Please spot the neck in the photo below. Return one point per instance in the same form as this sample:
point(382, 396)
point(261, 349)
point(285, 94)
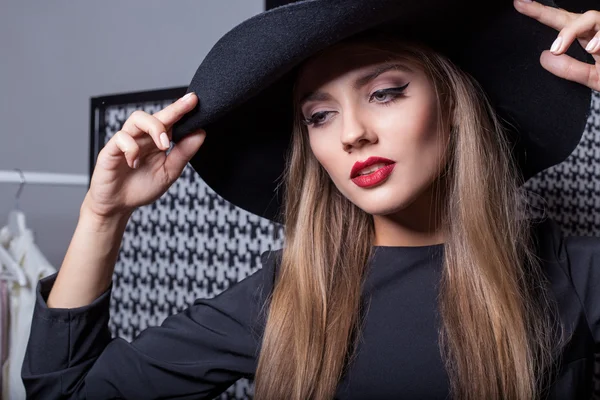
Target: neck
point(419, 224)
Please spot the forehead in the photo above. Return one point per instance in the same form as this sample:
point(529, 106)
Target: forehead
point(346, 59)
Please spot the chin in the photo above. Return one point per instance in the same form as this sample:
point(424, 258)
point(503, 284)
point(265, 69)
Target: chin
point(385, 204)
point(387, 200)
point(382, 209)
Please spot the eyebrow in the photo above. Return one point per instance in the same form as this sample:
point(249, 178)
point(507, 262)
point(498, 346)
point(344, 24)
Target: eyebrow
point(359, 83)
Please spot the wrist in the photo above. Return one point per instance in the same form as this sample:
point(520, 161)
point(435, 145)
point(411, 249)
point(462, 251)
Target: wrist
point(93, 221)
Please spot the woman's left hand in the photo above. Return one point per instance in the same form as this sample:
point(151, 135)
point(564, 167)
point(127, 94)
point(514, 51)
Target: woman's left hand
point(583, 27)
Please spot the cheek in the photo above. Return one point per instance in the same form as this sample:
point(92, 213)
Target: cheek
point(419, 124)
point(321, 148)
point(335, 162)
point(427, 146)
point(420, 145)
point(317, 146)
point(426, 138)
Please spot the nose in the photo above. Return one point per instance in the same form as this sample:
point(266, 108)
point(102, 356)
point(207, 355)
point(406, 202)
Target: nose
point(356, 131)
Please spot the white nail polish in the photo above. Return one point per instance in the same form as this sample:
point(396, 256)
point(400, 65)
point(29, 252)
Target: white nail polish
point(556, 44)
point(592, 44)
point(164, 140)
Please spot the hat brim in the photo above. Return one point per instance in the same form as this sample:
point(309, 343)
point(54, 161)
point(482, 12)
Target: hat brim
point(244, 84)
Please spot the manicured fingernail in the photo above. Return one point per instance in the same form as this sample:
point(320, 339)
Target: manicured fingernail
point(592, 44)
point(556, 45)
point(526, 1)
point(164, 140)
point(187, 96)
point(136, 163)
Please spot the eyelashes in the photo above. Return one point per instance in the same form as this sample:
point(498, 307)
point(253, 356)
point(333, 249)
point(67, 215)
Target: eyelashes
point(318, 119)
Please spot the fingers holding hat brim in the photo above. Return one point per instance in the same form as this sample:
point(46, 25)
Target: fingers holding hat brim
point(567, 67)
point(553, 17)
point(183, 152)
point(583, 28)
point(571, 26)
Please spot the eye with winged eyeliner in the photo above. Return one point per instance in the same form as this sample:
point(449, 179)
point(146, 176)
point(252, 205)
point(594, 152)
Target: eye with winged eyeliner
point(316, 120)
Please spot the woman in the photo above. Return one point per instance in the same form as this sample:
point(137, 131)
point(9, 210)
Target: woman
point(410, 268)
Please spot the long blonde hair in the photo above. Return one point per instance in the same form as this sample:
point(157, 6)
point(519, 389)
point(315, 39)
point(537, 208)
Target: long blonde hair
point(498, 336)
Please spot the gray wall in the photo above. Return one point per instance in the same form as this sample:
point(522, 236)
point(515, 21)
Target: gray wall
point(57, 54)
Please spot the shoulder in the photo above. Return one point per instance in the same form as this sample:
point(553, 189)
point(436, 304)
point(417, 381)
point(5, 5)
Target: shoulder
point(252, 290)
point(573, 253)
point(572, 265)
point(576, 258)
point(271, 257)
point(270, 261)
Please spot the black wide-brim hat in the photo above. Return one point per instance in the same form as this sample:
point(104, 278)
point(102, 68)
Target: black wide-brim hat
point(244, 84)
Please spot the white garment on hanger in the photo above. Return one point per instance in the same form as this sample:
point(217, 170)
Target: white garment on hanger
point(22, 301)
point(4, 325)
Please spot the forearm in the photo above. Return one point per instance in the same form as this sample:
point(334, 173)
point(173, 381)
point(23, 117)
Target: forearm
point(89, 263)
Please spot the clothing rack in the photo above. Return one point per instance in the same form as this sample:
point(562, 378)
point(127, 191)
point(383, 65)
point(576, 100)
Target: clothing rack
point(45, 178)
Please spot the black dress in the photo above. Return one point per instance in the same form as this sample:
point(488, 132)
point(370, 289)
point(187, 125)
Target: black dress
point(201, 351)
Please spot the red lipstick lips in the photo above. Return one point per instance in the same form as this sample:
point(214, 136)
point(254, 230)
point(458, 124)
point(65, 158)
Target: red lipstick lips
point(374, 177)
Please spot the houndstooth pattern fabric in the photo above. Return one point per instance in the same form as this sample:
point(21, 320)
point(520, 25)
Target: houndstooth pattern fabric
point(192, 244)
point(570, 191)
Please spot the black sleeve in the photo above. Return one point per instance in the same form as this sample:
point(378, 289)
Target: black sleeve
point(195, 354)
point(583, 253)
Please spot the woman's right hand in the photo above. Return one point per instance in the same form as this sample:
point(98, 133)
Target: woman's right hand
point(133, 169)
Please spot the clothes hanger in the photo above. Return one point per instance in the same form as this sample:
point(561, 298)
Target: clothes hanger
point(16, 223)
point(16, 218)
point(16, 229)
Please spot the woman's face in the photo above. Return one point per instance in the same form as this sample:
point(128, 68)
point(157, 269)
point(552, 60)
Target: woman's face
point(360, 104)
